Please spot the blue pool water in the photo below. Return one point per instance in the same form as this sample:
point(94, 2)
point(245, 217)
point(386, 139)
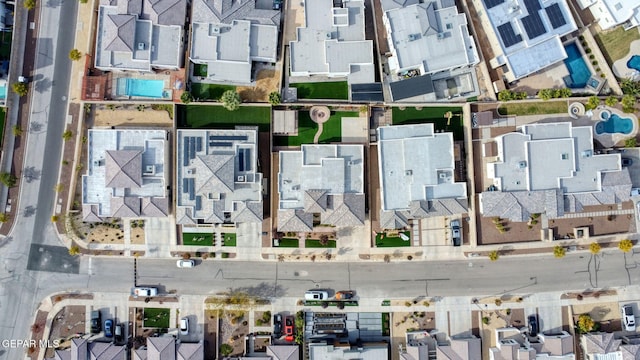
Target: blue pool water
point(614, 124)
point(140, 87)
point(579, 73)
point(3, 92)
point(634, 62)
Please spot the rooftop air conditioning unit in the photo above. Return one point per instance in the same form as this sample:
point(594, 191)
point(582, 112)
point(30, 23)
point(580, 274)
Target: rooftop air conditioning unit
point(140, 46)
point(440, 35)
point(240, 178)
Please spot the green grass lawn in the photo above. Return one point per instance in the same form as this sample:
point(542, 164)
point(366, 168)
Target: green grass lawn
point(209, 91)
point(200, 69)
point(203, 116)
point(331, 129)
point(229, 239)
point(434, 115)
point(313, 243)
point(615, 43)
point(197, 239)
point(534, 108)
point(322, 90)
point(385, 241)
point(156, 318)
point(288, 243)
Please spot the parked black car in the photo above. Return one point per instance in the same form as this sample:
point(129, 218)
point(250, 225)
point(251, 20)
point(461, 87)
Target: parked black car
point(96, 321)
point(277, 325)
point(533, 325)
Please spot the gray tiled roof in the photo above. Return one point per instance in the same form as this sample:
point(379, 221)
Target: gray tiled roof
point(184, 216)
point(166, 12)
point(519, 205)
point(190, 351)
point(444, 207)
point(155, 207)
point(294, 220)
point(217, 212)
point(315, 201)
point(630, 352)
point(348, 210)
point(226, 11)
point(120, 31)
point(247, 212)
point(600, 343)
point(215, 173)
point(106, 351)
point(125, 206)
point(90, 213)
point(283, 352)
point(123, 168)
point(161, 348)
point(393, 219)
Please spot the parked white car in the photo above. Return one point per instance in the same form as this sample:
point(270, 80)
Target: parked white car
point(182, 263)
point(628, 318)
point(184, 326)
point(316, 295)
point(144, 291)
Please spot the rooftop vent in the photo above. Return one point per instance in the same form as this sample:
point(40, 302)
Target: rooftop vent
point(140, 46)
point(522, 164)
point(240, 178)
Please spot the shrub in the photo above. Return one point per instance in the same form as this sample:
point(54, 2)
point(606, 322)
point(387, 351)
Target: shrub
point(67, 135)
point(226, 349)
point(592, 103)
point(628, 103)
point(594, 248)
point(611, 101)
point(587, 50)
point(407, 303)
point(631, 142)
point(8, 179)
point(498, 302)
point(74, 250)
point(230, 100)
point(485, 320)
point(224, 255)
point(4, 217)
point(275, 98)
point(625, 245)
point(594, 62)
point(16, 130)
point(75, 55)
point(591, 57)
point(186, 97)
point(559, 251)
point(493, 255)
point(585, 324)
point(20, 88)
point(29, 4)
point(54, 218)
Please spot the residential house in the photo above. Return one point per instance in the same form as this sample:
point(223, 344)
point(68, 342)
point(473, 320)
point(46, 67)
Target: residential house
point(551, 168)
point(511, 343)
point(277, 352)
point(525, 35)
point(218, 178)
point(228, 36)
point(423, 345)
point(81, 349)
point(324, 350)
point(167, 348)
point(601, 346)
point(611, 13)
point(332, 42)
point(416, 169)
point(429, 40)
point(140, 35)
point(321, 184)
point(126, 174)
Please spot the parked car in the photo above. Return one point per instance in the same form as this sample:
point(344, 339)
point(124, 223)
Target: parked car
point(108, 328)
point(144, 291)
point(118, 332)
point(626, 161)
point(628, 318)
point(277, 325)
point(534, 328)
point(456, 236)
point(182, 263)
point(316, 295)
point(96, 321)
point(289, 323)
point(345, 295)
point(184, 326)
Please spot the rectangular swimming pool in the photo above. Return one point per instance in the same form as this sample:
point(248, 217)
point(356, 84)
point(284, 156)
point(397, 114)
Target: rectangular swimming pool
point(140, 87)
point(3, 92)
point(579, 72)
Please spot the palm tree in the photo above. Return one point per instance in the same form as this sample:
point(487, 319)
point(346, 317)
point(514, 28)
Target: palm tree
point(595, 248)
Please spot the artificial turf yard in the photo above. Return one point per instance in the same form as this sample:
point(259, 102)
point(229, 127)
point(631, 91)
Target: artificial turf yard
point(534, 108)
point(382, 240)
point(197, 239)
point(322, 90)
point(156, 318)
point(615, 43)
point(313, 243)
point(229, 239)
point(217, 117)
point(331, 129)
point(288, 243)
point(434, 115)
point(209, 91)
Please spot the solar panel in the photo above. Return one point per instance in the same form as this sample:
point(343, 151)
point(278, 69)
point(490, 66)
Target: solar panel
point(555, 16)
point(198, 203)
point(533, 25)
point(192, 190)
point(247, 159)
point(509, 37)
point(198, 144)
point(185, 185)
point(532, 6)
point(185, 152)
point(227, 137)
point(221, 144)
point(492, 3)
point(192, 148)
point(241, 160)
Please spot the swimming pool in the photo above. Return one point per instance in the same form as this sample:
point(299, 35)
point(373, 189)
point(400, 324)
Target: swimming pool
point(634, 62)
point(140, 87)
point(579, 73)
point(613, 124)
point(3, 92)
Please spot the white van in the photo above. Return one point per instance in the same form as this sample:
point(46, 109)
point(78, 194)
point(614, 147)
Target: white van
point(316, 295)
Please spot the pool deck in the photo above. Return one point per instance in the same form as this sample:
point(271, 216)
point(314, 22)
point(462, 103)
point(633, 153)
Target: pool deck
point(620, 66)
point(610, 140)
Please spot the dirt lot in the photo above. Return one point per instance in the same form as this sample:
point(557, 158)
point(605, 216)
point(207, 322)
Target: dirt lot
point(106, 235)
point(128, 115)
point(233, 328)
point(69, 321)
point(267, 81)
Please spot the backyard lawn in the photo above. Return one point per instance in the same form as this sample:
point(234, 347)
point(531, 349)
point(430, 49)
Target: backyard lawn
point(209, 91)
point(288, 243)
point(434, 115)
point(229, 239)
point(200, 70)
point(331, 130)
point(313, 243)
point(197, 239)
point(322, 90)
point(156, 318)
point(382, 240)
point(615, 43)
point(534, 108)
point(204, 116)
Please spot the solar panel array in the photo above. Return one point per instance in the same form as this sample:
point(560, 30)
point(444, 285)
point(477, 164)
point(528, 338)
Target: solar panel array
point(492, 3)
point(532, 23)
point(555, 16)
point(225, 140)
point(189, 187)
point(509, 37)
point(190, 145)
point(244, 159)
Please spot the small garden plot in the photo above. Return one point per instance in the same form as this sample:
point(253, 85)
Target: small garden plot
point(313, 243)
point(229, 239)
point(156, 318)
point(197, 239)
point(286, 243)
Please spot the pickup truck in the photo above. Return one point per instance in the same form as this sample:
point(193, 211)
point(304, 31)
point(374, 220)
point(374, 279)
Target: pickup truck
point(144, 291)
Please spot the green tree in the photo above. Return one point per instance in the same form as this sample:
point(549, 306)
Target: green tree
point(625, 245)
point(186, 97)
point(275, 98)
point(494, 255)
point(585, 324)
point(230, 99)
point(628, 103)
point(563, 93)
point(226, 349)
point(29, 4)
point(611, 101)
point(545, 94)
point(595, 248)
point(75, 55)
point(630, 87)
point(74, 250)
point(16, 130)
point(20, 88)
point(592, 103)
point(505, 95)
point(67, 135)
point(631, 142)
point(4, 217)
point(559, 251)
point(8, 179)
